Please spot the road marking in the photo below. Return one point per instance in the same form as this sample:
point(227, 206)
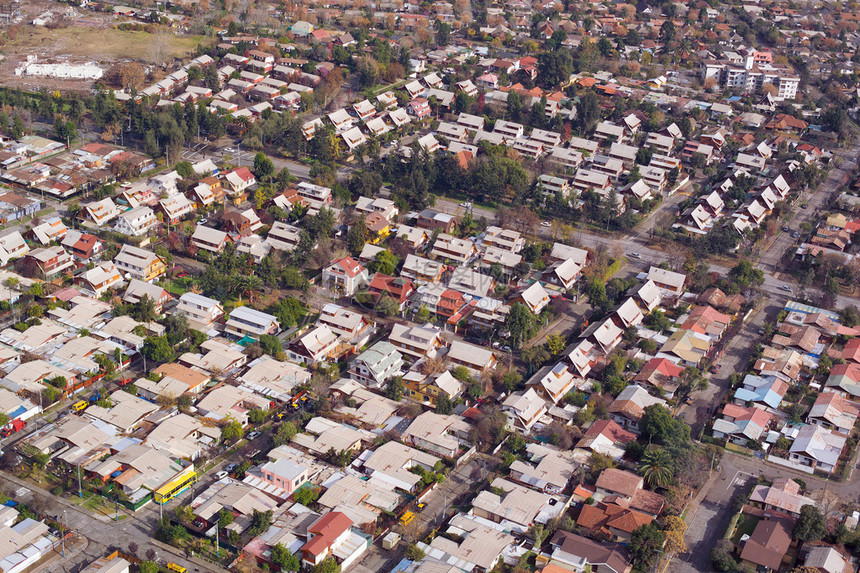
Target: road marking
point(735, 477)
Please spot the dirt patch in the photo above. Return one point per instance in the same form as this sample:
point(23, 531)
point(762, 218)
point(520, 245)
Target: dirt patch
point(91, 38)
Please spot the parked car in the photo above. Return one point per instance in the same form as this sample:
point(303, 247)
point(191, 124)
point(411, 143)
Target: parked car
point(221, 475)
point(253, 435)
point(786, 288)
point(230, 467)
point(635, 255)
point(545, 224)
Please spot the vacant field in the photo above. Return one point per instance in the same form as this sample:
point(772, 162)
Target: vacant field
point(99, 44)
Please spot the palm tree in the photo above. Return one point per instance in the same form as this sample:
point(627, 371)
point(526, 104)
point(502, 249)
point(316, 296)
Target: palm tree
point(656, 468)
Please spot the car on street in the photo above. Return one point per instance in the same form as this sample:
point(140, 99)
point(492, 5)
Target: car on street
point(785, 229)
point(545, 224)
point(221, 475)
point(505, 348)
point(229, 150)
point(467, 205)
point(795, 235)
point(230, 467)
point(635, 255)
point(253, 435)
point(786, 288)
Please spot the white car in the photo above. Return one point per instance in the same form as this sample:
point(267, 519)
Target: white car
point(229, 150)
point(786, 288)
point(253, 435)
point(545, 224)
point(635, 255)
point(221, 475)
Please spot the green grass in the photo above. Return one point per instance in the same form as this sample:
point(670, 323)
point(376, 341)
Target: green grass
point(745, 526)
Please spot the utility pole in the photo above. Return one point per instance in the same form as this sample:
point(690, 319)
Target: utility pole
point(80, 490)
point(63, 532)
point(217, 545)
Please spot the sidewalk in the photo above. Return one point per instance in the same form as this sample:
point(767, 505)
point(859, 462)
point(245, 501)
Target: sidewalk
point(44, 493)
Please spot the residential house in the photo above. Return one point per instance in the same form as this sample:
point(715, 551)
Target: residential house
point(524, 409)
point(476, 359)
point(137, 289)
point(428, 388)
point(580, 554)
point(767, 391)
point(317, 345)
point(607, 438)
point(768, 544)
point(202, 312)
point(210, 239)
point(48, 262)
point(345, 276)
point(535, 297)
point(629, 407)
point(137, 222)
point(741, 424)
point(555, 384)
point(782, 496)
point(248, 322)
point(817, 448)
point(100, 279)
point(833, 411)
point(376, 365)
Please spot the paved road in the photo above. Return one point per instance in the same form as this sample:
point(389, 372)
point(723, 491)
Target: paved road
point(103, 532)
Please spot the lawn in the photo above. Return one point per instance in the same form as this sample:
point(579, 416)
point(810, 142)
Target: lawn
point(101, 43)
point(745, 526)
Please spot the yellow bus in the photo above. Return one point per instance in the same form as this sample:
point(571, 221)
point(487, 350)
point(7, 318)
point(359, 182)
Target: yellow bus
point(175, 567)
point(174, 487)
point(79, 406)
point(407, 518)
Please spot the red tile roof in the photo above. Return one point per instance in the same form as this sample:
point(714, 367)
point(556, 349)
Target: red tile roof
point(326, 530)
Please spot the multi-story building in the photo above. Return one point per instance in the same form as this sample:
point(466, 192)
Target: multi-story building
point(139, 263)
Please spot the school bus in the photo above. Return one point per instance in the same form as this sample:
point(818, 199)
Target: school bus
point(175, 567)
point(79, 406)
point(174, 487)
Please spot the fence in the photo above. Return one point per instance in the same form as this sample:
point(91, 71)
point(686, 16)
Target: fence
point(789, 464)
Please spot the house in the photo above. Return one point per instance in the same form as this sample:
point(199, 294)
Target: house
point(353, 138)
point(467, 541)
point(844, 379)
point(661, 373)
point(332, 535)
point(138, 221)
point(817, 448)
point(245, 321)
point(524, 409)
point(317, 345)
point(351, 326)
point(100, 279)
point(49, 231)
point(397, 288)
point(432, 220)
point(515, 506)
point(210, 239)
point(175, 207)
point(421, 269)
point(828, 559)
point(448, 247)
point(741, 424)
point(476, 359)
point(765, 390)
point(555, 384)
point(241, 223)
point(629, 407)
point(504, 239)
point(391, 463)
point(768, 544)
point(416, 341)
point(101, 212)
point(376, 365)
point(239, 180)
point(202, 312)
point(534, 297)
point(833, 411)
point(628, 314)
point(607, 438)
point(428, 388)
point(48, 262)
point(12, 246)
point(563, 274)
point(782, 496)
point(548, 469)
point(283, 237)
point(470, 282)
point(707, 320)
point(137, 289)
point(580, 554)
point(609, 132)
point(670, 283)
point(380, 205)
point(345, 276)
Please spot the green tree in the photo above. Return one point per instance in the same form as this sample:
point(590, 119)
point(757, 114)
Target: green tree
point(158, 349)
point(149, 567)
point(306, 495)
point(667, 31)
point(356, 238)
point(231, 432)
point(644, 546)
point(384, 262)
point(256, 416)
point(746, 275)
point(657, 467)
point(520, 323)
point(587, 111)
point(443, 404)
point(831, 288)
point(328, 565)
point(225, 517)
point(287, 561)
point(285, 433)
point(811, 525)
point(443, 33)
point(264, 168)
point(184, 169)
point(555, 343)
point(659, 425)
point(395, 388)
point(414, 552)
